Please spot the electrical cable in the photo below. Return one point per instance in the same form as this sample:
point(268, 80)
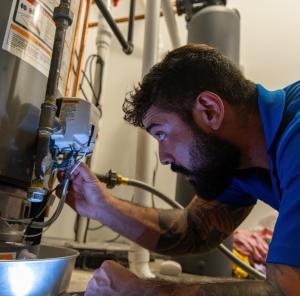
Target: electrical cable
point(96, 228)
point(154, 178)
point(88, 67)
point(64, 190)
point(20, 233)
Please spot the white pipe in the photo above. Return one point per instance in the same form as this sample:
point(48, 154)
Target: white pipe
point(139, 257)
point(81, 227)
point(103, 42)
point(104, 33)
point(171, 22)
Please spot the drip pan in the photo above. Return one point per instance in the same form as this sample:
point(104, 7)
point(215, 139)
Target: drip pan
point(48, 275)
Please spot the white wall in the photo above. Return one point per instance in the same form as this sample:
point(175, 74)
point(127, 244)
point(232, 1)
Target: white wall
point(270, 44)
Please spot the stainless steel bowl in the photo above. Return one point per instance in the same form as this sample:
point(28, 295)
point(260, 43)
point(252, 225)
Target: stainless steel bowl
point(49, 275)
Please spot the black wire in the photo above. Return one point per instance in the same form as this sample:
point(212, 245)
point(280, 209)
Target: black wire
point(154, 179)
point(84, 76)
point(96, 228)
point(101, 62)
point(113, 239)
point(89, 67)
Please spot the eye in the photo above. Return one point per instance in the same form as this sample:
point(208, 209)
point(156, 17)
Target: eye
point(161, 136)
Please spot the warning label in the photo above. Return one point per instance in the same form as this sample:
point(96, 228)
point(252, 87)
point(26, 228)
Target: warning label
point(30, 35)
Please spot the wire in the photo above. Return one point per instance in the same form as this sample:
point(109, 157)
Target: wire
point(96, 228)
point(20, 233)
point(89, 79)
point(64, 185)
point(113, 239)
point(154, 178)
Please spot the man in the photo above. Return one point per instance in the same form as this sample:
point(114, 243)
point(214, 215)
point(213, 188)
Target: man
point(236, 142)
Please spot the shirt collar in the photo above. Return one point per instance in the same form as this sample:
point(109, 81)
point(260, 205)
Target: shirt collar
point(271, 108)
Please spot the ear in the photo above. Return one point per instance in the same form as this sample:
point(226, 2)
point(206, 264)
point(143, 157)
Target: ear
point(208, 110)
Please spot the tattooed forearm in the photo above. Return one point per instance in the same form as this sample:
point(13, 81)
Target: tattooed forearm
point(232, 288)
point(198, 228)
point(282, 281)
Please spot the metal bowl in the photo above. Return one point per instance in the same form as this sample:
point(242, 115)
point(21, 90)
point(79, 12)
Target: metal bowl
point(49, 275)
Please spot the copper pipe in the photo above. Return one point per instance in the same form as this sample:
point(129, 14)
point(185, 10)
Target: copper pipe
point(76, 32)
point(121, 20)
point(82, 46)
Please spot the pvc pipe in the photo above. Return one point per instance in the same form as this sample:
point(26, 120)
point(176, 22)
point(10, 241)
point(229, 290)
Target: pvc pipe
point(139, 257)
point(103, 42)
point(171, 22)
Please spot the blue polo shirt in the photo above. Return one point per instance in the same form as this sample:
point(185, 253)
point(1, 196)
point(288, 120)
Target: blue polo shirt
point(279, 186)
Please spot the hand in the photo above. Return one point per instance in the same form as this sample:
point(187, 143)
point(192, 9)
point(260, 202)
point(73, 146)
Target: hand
point(86, 194)
point(112, 279)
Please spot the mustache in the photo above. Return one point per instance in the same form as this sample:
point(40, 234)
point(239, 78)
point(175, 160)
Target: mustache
point(180, 169)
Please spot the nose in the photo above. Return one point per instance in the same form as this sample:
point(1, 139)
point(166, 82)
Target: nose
point(164, 156)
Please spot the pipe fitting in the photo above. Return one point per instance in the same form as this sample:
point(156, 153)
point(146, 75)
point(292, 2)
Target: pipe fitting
point(63, 13)
point(129, 49)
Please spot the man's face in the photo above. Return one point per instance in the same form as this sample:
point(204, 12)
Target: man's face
point(207, 161)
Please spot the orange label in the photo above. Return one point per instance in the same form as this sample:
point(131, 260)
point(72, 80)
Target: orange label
point(7, 256)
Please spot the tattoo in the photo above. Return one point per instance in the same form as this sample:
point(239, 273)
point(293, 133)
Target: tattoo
point(283, 280)
point(198, 228)
point(220, 287)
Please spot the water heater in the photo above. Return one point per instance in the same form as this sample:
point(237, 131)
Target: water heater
point(27, 33)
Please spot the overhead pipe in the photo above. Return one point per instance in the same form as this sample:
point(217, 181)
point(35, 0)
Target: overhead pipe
point(126, 45)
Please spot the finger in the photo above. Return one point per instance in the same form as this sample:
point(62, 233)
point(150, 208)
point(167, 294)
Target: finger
point(60, 175)
point(85, 173)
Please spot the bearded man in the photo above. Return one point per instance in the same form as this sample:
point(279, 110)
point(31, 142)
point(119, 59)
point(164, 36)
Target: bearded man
point(236, 142)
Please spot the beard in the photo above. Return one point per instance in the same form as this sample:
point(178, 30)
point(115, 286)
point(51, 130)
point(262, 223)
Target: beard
point(213, 163)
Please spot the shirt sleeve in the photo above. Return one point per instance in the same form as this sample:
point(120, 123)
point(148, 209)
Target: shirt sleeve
point(285, 244)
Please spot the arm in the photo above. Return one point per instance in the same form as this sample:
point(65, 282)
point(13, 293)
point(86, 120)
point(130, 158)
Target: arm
point(199, 227)
point(114, 279)
point(202, 226)
point(167, 230)
point(90, 198)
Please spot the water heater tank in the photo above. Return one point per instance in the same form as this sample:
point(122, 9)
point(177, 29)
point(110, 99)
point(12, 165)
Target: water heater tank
point(26, 40)
point(218, 26)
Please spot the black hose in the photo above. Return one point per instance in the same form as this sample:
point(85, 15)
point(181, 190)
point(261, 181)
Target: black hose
point(151, 189)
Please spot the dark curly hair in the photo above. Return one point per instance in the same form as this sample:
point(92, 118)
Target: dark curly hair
point(173, 84)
